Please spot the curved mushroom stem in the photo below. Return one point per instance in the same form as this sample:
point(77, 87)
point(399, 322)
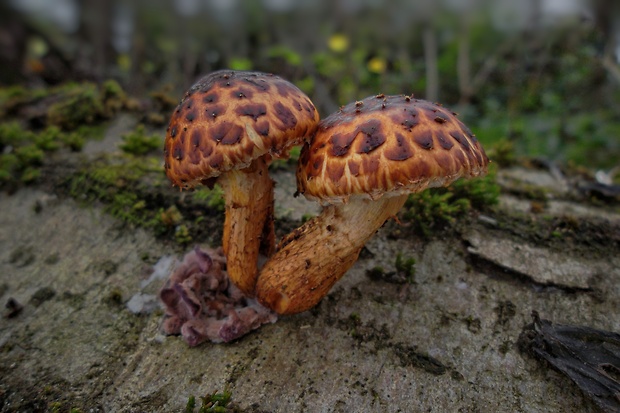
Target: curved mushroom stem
point(248, 226)
point(316, 255)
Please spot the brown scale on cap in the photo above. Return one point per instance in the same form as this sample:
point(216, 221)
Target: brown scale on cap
point(387, 145)
point(228, 127)
point(229, 118)
point(362, 164)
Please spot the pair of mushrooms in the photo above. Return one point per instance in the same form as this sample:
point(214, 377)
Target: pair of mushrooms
point(360, 163)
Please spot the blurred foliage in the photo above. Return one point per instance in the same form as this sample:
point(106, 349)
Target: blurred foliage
point(545, 89)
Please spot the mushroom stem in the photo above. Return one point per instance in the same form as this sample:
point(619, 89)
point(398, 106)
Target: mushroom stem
point(313, 257)
point(248, 226)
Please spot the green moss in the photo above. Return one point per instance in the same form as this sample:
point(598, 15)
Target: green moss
point(431, 209)
point(20, 156)
point(213, 198)
point(171, 217)
point(117, 184)
point(181, 235)
point(81, 104)
point(163, 99)
point(74, 140)
point(405, 266)
point(437, 207)
point(50, 139)
point(137, 142)
point(212, 403)
point(191, 404)
point(287, 162)
point(216, 402)
point(12, 134)
point(113, 97)
point(67, 106)
point(30, 175)
point(23, 151)
point(9, 165)
point(503, 153)
point(376, 273)
point(13, 96)
point(30, 155)
point(136, 191)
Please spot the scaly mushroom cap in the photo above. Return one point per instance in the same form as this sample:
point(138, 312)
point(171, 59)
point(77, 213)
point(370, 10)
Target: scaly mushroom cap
point(228, 119)
point(387, 146)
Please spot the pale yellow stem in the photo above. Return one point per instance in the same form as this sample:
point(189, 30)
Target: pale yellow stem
point(248, 226)
point(313, 257)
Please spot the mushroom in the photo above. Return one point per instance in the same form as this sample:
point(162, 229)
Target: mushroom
point(361, 166)
point(229, 125)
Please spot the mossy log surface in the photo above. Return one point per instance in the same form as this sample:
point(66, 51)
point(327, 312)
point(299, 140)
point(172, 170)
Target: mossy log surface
point(80, 329)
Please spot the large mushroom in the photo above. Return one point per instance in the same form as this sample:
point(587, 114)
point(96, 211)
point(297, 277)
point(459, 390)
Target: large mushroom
point(361, 165)
point(229, 125)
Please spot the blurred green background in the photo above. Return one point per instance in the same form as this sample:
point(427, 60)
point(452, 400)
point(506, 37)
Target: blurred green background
point(540, 77)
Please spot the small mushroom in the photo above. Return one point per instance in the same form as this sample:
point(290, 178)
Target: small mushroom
point(361, 165)
point(229, 125)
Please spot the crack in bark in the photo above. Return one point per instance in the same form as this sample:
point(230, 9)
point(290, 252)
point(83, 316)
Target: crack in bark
point(506, 274)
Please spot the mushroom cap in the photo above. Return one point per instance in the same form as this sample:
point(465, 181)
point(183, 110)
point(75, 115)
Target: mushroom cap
point(229, 118)
point(387, 146)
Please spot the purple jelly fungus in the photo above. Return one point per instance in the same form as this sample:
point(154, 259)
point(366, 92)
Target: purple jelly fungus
point(201, 304)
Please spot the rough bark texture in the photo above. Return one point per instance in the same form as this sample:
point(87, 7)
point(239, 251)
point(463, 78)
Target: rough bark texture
point(88, 335)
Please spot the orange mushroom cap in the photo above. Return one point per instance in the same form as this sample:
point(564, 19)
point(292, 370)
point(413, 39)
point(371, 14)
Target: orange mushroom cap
point(387, 146)
point(230, 118)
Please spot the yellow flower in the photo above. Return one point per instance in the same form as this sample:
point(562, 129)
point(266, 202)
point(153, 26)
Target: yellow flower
point(377, 65)
point(124, 62)
point(338, 43)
